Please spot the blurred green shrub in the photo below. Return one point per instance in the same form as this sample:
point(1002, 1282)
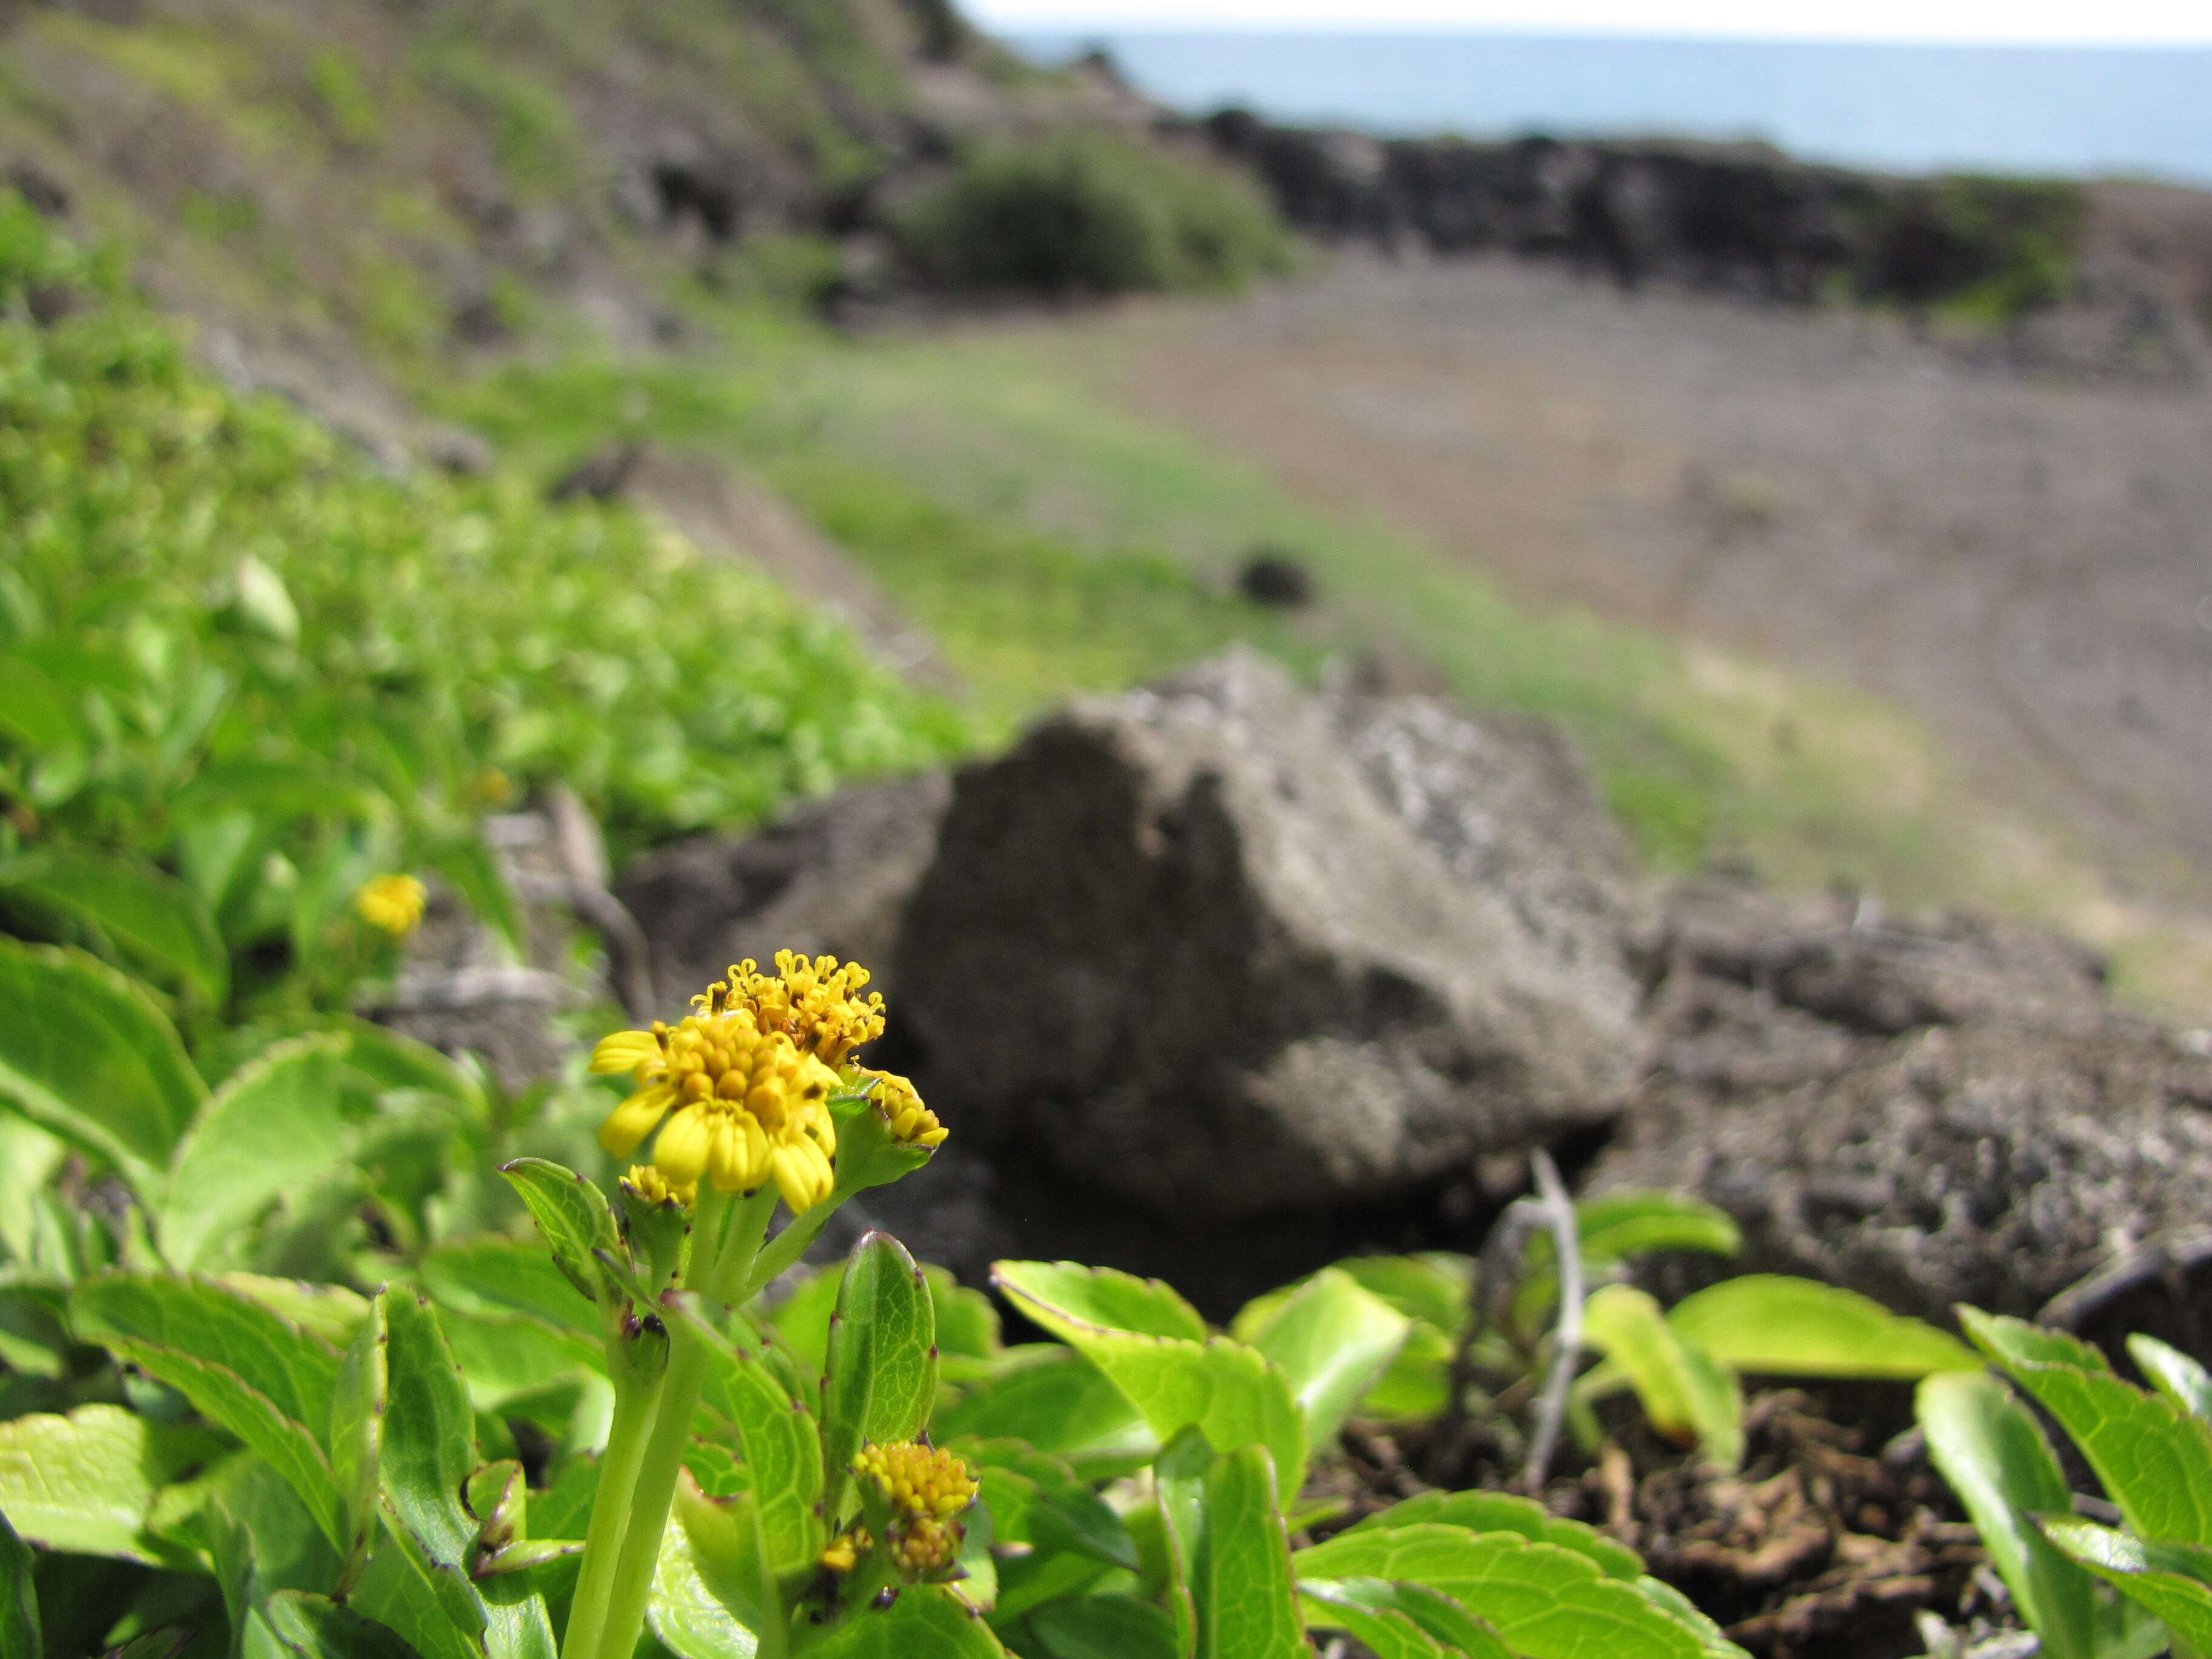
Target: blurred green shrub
point(243, 667)
point(1086, 212)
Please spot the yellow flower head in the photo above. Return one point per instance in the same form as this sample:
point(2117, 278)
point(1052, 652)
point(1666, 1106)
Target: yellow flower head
point(913, 1124)
point(741, 1105)
point(817, 1004)
point(927, 1491)
point(392, 904)
point(653, 1188)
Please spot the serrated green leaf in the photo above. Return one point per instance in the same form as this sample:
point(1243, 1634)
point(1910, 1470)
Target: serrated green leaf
point(2172, 1581)
point(330, 1311)
point(1686, 1395)
point(573, 1217)
point(781, 1444)
point(1544, 1602)
point(688, 1614)
point(928, 1621)
point(294, 1369)
point(1497, 1512)
point(396, 1591)
point(358, 1401)
point(1772, 1325)
point(20, 1638)
point(1991, 1449)
point(1102, 1627)
point(1059, 1511)
point(2155, 1460)
point(1384, 1632)
point(493, 1276)
point(264, 1380)
point(156, 921)
point(2174, 1375)
point(1333, 1340)
point(430, 1451)
point(1242, 1582)
point(1712, 1640)
point(84, 1053)
point(83, 1482)
point(316, 1627)
point(1435, 1615)
point(1103, 1299)
point(2014, 1341)
point(1233, 1394)
point(1058, 1402)
point(273, 1129)
point(882, 1376)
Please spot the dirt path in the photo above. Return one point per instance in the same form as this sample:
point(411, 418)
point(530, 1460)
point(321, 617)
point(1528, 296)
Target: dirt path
point(2028, 565)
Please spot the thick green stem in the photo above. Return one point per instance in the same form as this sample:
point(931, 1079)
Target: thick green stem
point(611, 1511)
point(715, 1274)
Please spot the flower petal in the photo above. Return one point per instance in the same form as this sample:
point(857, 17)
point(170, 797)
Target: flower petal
point(634, 1120)
point(682, 1151)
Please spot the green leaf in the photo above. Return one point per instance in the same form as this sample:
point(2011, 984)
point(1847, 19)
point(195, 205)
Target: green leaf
point(1687, 1396)
point(573, 1217)
point(1497, 1512)
point(882, 1377)
point(967, 1324)
point(2015, 1342)
point(1101, 1298)
point(804, 1315)
point(265, 1381)
point(19, 1598)
point(1333, 1340)
point(154, 919)
point(505, 1359)
point(294, 1370)
point(1544, 1602)
point(1991, 1449)
point(1058, 1511)
point(781, 1445)
point(430, 1450)
point(1103, 1627)
point(83, 1053)
point(330, 1311)
point(316, 1627)
point(494, 1277)
point(1771, 1325)
point(926, 1622)
point(261, 1538)
point(359, 1400)
point(2172, 1581)
point(273, 1129)
point(1247, 1606)
point(1625, 1224)
point(2174, 1375)
point(1444, 1622)
point(2155, 1460)
point(1058, 1402)
point(1234, 1394)
point(1430, 1287)
point(707, 1568)
point(34, 710)
point(83, 1482)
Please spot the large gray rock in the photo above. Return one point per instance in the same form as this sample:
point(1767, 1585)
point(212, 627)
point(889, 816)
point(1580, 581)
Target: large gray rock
point(1221, 948)
point(1929, 1112)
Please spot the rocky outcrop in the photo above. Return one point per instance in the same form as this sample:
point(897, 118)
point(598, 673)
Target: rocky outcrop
point(1929, 1113)
point(1218, 949)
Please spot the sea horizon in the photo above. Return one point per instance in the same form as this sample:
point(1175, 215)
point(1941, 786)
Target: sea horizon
point(2062, 111)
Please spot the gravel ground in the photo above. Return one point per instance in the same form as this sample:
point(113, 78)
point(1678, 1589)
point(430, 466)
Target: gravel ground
point(2022, 558)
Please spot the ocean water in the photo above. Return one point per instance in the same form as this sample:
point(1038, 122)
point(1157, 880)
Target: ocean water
point(2058, 110)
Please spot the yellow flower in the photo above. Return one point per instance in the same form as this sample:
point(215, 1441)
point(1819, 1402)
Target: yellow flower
point(817, 1004)
point(740, 1105)
point(839, 1554)
point(913, 1124)
point(650, 1185)
point(392, 904)
point(927, 1491)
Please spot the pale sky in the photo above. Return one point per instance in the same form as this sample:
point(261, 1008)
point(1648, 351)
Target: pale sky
point(2117, 22)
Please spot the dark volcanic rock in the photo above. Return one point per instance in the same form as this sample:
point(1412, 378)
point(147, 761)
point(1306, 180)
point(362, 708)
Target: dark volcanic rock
point(1928, 1113)
point(1178, 946)
point(833, 875)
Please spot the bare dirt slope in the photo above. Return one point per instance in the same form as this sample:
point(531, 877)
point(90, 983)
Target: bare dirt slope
point(2024, 561)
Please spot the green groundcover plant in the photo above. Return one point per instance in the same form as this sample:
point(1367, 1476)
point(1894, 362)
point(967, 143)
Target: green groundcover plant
point(2088, 1590)
point(288, 1370)
point(243, 672)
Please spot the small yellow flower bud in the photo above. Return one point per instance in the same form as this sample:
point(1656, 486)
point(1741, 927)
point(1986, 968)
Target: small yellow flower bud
point(927, 1491)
